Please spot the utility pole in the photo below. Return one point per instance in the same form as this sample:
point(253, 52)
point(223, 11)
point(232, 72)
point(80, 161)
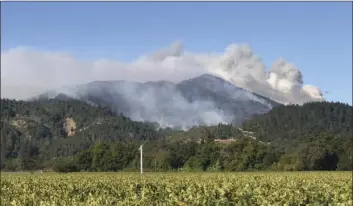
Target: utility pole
point(141, 158)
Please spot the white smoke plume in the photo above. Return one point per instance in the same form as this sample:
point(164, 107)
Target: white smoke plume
point(27, 72)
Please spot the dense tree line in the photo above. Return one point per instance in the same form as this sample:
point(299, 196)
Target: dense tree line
point(308, 130)
point(245, 154)
point(242, 155)
point(315, 136)
point(35, 130)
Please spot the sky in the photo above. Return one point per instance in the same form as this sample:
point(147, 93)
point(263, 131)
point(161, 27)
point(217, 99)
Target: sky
point(306, 45)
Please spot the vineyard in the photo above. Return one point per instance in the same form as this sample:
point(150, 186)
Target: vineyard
point(266, 188)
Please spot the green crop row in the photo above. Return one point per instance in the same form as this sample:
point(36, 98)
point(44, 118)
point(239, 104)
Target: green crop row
point(272, 188)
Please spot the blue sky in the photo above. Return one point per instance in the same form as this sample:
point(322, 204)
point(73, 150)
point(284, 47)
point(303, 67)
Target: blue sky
point(317, 37)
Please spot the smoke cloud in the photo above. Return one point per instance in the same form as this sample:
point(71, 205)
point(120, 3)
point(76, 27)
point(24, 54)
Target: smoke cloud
point(26, 72)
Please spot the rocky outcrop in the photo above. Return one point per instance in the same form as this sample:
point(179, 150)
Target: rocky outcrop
point(70, 126)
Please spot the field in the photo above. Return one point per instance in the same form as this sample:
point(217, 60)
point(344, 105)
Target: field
point(257, 188)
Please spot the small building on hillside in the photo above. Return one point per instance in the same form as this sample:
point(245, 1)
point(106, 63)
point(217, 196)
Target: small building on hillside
point(225, 141)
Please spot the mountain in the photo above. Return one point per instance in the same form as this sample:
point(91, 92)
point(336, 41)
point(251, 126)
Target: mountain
point(203, 100)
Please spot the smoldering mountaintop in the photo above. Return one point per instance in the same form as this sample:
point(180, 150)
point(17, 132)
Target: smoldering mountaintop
point(167, 86)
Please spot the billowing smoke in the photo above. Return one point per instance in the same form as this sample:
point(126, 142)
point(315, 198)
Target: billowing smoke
point(283, 82)
point(27, 72)
point(162, 103)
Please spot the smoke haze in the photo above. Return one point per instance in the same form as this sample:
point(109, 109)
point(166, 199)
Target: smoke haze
point(27, 72)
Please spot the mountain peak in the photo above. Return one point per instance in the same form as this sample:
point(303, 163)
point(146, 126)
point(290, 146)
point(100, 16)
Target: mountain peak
point(209, 77)
point(203, 100)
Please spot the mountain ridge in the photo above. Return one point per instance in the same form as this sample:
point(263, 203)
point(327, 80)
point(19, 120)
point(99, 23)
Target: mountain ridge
point(203, 100)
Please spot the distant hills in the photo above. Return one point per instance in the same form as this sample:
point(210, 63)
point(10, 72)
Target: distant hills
point(203, 100)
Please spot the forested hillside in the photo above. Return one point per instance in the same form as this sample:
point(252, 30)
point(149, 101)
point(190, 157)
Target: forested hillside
point(41, 130)
point(70, 135)
point(316, 127)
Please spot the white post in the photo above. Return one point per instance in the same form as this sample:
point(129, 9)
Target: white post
point(141, 163)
